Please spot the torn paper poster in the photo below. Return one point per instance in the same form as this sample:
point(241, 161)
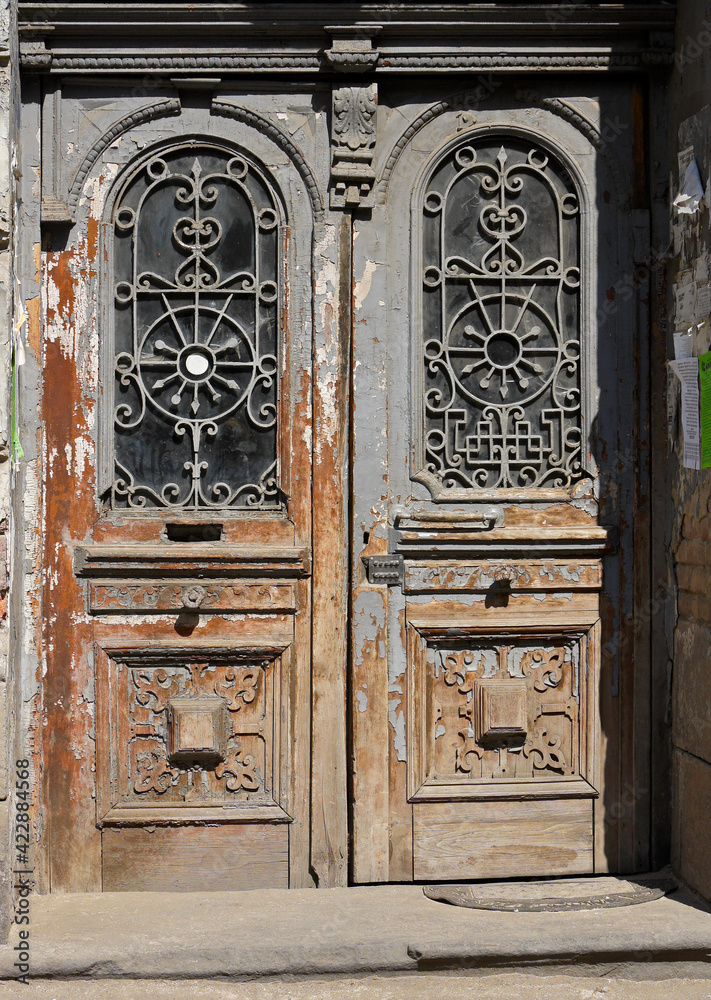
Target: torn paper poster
point(705, 390)
point(19, 323)
point(691, 190)
point(702, 338)
point(703, 302)
point(687, 370)
point(684, 300)
point(683, 343)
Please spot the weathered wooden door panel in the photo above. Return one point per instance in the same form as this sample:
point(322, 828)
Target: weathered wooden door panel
point(487, 487)
point(177, 409)
point(194, 675)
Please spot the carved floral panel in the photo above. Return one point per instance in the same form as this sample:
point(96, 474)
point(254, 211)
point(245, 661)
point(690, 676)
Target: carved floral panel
point(144, 692)
point(530, 689)
point(500, 276)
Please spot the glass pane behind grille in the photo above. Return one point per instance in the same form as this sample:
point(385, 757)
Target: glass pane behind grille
point(196, 307)
point(501, 319)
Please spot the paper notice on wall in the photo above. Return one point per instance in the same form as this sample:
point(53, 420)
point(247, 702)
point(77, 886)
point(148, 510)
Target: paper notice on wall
point(687, 370)
point(684, 301)
point(703, 303)
point(683, 343)
point(705, 394)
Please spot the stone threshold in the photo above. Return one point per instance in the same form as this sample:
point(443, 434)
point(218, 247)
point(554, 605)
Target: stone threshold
point(304, 933)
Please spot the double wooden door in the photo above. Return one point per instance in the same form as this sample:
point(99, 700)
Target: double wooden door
point(337, 470)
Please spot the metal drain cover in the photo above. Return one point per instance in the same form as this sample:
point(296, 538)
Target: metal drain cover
point(550, 895)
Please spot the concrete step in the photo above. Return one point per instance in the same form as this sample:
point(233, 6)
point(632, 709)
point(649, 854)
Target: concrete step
point(351, 932)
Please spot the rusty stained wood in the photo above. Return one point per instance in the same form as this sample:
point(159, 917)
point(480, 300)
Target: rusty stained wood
point(381, 828)
point(329, 813)
point(69, 510)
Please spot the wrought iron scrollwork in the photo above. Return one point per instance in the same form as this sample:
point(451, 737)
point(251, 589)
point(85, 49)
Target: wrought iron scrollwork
point(196, 309)
point(501, 319)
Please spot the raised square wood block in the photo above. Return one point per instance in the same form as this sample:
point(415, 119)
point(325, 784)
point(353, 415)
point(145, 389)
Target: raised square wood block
point(501, 711)
point(197, 730)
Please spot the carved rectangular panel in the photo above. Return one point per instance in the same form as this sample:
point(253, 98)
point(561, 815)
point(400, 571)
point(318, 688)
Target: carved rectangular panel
point(191, 734)
point(500, 713)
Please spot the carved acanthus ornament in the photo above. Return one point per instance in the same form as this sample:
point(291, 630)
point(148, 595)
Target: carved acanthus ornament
point(353, 133)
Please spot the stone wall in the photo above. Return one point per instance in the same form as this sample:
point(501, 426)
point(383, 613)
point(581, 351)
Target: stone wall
point(690, 125)
point(7, 92)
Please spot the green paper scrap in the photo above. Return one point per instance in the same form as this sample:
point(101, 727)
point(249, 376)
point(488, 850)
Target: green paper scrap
point(705, 392)
point(15, 445)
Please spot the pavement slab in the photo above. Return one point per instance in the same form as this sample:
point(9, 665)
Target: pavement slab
point(357, 931)
point(424, 986)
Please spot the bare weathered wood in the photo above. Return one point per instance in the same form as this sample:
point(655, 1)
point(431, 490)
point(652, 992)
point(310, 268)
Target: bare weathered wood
point(195, 858)
point(210, 559)
point(494, 839)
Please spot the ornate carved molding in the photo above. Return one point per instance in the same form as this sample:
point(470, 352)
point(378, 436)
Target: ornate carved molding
point(130, 563)
point(35, 56)
point(228, 110)
point(353, 125)
point(205, 595)
point(508, 61)
point(37, 60)
point(350, 60)
point(507, 575)
point(158, 109)
point(352, 50)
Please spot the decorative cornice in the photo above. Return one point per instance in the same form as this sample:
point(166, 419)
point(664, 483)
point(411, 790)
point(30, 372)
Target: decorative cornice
point(352, 50)
point(508, 61)
point(379, 61)
point(382, 38)
point(159, 109)
point(228, 110)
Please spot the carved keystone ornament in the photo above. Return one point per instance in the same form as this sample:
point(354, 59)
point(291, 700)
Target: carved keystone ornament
point(353, 146)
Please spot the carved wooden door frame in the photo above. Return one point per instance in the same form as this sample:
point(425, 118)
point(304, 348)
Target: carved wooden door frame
point(446, 577)
point(190, 626)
